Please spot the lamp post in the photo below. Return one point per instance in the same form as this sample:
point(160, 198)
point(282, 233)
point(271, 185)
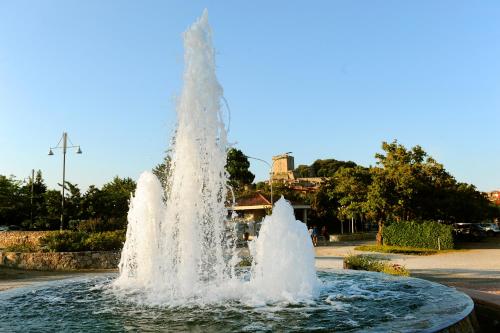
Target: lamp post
point(63, 144)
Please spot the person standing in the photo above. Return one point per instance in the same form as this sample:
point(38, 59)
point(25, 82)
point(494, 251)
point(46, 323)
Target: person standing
point(315, 236)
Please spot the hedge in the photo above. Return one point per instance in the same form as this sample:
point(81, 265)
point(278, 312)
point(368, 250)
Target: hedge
point(426, 234)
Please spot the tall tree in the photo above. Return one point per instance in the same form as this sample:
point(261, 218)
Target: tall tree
point(352, 190)
point(52, 199)
point(237, 166)
point(93, 205)
point(34, 191)
point(72, 202)
point(162, 170)
point(12, 201)
point(116, 195)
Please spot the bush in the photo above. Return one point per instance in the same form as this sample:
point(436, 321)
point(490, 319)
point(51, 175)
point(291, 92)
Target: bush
point(426, 234)
point(64, 241)
point(105, 241)
point(21, 247)
point(75, 241)
point(367, 263)
point(41, 223)
point(98, 224)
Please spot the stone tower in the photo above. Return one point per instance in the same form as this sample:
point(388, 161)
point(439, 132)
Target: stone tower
point(283, 166)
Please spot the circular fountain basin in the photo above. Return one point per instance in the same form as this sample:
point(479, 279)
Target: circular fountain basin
point(349, 301)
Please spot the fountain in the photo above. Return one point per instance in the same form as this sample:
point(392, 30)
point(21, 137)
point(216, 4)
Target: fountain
point(178, 269)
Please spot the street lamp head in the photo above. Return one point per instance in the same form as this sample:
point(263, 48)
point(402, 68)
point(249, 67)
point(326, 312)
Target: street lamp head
point(79, 151)
point(51, 152)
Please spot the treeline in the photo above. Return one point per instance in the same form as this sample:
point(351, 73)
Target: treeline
point(31, 206)
point(405, 184)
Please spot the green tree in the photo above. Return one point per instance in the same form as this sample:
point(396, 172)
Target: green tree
point(395, 183)
point(162, 170)
point(351, 190)
point(303, 171)
point(407, 184)
point(116, 195)
point(325, 203)
point(92, 204)
point(12, 202)
point(237, 166)
point(72, 202)
point(52, 199)
point(35, 202)
point(328, 167)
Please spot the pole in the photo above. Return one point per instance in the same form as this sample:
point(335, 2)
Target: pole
point(32, 190)
point(271, 184)
point(65, 145)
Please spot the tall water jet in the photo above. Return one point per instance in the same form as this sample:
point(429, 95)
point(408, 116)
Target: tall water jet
point(191, 235)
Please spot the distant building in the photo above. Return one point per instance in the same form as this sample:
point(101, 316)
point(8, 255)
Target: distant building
point(283, 166)
point(256, 206)
point(494, 197)
point(283, 171)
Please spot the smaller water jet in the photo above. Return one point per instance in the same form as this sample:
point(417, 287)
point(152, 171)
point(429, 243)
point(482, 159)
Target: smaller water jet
point(283, 258)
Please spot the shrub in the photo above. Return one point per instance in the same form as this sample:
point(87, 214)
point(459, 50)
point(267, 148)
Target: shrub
point(426, 234)
point(64, 241)
point(41, 223)
point(105, 241)
point(75, 241)
point(22, 247)
point(367, 263)
point(98, 224)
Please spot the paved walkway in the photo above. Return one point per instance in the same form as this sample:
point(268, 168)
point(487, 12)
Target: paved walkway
point(477, 266)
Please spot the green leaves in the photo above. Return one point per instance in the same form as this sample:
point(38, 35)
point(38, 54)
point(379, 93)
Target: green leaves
point(76, 241)
point(237, 167)
point(426, 234)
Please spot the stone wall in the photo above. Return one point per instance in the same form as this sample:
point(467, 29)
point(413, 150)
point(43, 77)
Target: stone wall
point(60, 261)
point(9, 238)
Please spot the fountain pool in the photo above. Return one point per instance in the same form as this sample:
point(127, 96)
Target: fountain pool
point(348, 301)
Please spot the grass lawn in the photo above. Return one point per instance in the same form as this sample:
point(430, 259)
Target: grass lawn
point(401, 250)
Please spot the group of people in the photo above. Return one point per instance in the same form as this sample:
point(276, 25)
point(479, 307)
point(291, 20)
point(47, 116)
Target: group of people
point(314, 233)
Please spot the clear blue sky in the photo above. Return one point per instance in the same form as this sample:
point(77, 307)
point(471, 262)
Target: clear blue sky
point(323, 79)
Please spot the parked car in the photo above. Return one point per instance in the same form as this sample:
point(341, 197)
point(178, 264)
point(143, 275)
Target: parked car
point(468, 232)
point(9, 228)
point(491, 229)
